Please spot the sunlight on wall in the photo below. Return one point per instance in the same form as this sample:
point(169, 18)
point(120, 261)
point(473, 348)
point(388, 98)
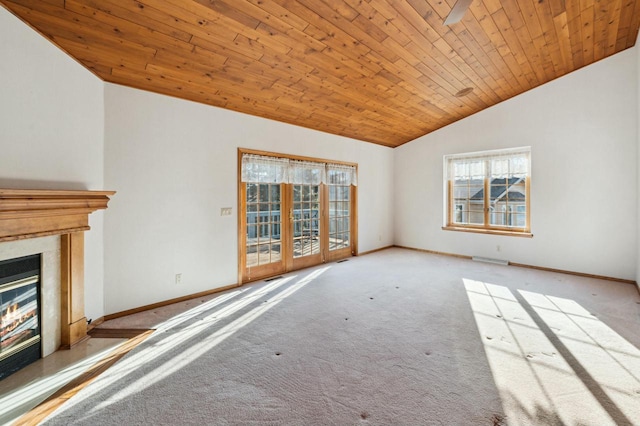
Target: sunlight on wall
point(554, 362)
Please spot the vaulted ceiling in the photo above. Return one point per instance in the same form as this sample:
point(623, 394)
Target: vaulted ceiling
point(383, 71)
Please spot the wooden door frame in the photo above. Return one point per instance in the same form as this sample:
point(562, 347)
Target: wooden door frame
point(286, 244)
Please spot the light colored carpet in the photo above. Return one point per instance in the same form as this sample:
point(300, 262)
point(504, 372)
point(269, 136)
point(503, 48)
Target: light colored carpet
point(394, 337)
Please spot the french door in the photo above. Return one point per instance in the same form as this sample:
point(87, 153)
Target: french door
point(339, 233)
point(263, 229)
point(306, 225)
point(284, 227)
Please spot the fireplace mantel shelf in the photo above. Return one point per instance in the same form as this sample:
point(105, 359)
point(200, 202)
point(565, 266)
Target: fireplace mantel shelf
point(29, 213)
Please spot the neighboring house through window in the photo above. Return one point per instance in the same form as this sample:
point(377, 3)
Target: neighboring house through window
point(489, 191)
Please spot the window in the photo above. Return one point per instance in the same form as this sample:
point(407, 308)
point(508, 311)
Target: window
point(294, 212)
point(489, 191)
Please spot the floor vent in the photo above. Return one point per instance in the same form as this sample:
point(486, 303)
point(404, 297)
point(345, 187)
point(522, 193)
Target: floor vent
point(490, 260)
point(343, 260)
point(272, 278)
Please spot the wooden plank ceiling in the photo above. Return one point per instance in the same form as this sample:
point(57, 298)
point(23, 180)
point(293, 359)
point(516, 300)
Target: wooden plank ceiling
point(383, 71)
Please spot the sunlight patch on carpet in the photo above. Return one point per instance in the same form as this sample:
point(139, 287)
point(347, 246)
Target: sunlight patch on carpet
point(194, 312)
point(552, 360)
point(202, 331)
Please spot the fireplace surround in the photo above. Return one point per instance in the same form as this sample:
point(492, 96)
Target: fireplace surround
point(51, 224)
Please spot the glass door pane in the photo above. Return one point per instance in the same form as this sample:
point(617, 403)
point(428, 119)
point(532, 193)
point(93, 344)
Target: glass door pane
point(305, 223)
point(339, 217)
point(263, 225)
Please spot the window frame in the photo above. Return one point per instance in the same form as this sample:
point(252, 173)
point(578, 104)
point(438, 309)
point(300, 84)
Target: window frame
point(451, 203)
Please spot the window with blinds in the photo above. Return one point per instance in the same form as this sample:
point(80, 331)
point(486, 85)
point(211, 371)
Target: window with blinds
point(489, 191)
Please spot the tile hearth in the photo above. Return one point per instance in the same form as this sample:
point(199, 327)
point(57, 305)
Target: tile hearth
point(26, 389)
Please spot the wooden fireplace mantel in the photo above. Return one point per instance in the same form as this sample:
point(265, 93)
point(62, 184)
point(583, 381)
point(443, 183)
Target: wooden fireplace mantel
point(29, 213)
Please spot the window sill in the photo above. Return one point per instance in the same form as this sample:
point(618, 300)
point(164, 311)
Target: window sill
point(489, 231)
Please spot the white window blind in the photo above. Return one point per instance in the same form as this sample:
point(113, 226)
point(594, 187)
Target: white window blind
point(266, 169)
point(498, 164)
point(339, 174)
point(306, 172)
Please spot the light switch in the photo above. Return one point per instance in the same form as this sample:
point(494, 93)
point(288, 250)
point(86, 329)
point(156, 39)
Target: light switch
point(225, 211)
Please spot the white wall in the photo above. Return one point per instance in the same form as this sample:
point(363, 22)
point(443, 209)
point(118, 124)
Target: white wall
point(52, 130)
point(582, 130)
point(637, 51)
point(174, 165)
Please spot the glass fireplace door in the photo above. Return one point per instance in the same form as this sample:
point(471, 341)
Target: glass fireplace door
point(19, 313)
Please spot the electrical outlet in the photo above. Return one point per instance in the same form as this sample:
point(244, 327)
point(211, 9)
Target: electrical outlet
point(178, 278)
point(225, 211)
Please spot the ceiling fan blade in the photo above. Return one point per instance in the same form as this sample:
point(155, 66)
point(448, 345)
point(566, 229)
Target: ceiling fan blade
point(457, 12)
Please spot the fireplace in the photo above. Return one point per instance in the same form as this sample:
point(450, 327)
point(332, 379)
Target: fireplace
point(20, 328)
point(42, 306)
